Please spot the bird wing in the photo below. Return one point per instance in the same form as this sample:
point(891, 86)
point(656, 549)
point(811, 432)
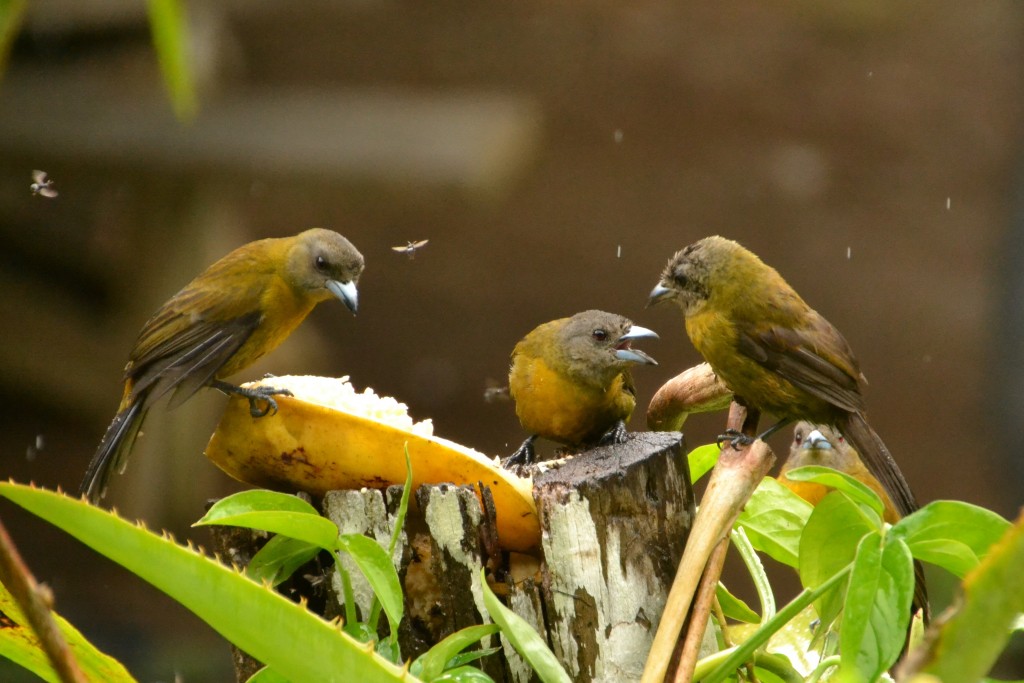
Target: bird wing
point(824, 368)
point(184, 345)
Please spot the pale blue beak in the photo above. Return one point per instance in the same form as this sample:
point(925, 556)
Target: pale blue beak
point(347, 292)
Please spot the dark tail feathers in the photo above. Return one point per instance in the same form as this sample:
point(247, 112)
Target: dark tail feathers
point(113, 450)
point(881, 464)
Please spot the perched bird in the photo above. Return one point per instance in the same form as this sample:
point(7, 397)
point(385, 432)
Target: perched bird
point(233, 313)
point(570, 380)
point(776, 353)
point(772, 350)
point(825, 447)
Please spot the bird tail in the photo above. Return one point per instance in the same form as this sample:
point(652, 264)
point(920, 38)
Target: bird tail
point(882, 465)
point(113, 450)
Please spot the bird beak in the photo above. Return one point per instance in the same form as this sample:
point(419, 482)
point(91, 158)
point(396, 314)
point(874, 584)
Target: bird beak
point(658, 294)
point(817, 441)
point(623, 351)
point(347, 292)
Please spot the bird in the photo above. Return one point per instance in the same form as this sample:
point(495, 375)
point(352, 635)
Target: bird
point(772, 350)
point(570, 380)
point(234, 312)
point(777, 354)
point(825, 447)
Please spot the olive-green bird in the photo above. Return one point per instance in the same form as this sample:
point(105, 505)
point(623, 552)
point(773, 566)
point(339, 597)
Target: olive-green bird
point(234, 312)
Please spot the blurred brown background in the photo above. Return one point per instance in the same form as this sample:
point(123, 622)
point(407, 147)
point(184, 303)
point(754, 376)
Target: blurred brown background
point(555, 155)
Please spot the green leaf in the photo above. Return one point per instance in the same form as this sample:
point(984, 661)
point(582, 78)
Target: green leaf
point(526, 641)
point(702, 459)
point(774, 519)
point(375, 564)
point(297, 644)
point(970, 641)
point(277, 513)
point(464, 674)
point(840, 481)
point(169, 26)
point(877, 610)
point(279, 558)
point(464, 658)
point(12, 12)
point(267, 675)
point(18, 643)
point(828, 546)
point(951, 534)
point(431, 663)
point(733, 607)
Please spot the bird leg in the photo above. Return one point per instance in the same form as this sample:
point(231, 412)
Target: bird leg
point(261, 393)
point(525, 455)
point(615, 435)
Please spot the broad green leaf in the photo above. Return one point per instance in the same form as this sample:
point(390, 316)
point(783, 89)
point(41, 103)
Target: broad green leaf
point(833, 478)
point(939, 532)
point(375, 564)
point(970, 642)
point(734, 608)
point(169, 26)
point(828, 545)
point(267, 675)
point(431, 663)
point(279, 558)
point(877, 610)
point(297, 644)
point(277, 513)
point(702, 459)
point(18, 643)
point(526, 641)
point(773, 520)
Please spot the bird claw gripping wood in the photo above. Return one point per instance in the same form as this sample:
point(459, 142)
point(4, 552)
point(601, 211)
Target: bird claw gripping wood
point(734, 438)
point(616, 435)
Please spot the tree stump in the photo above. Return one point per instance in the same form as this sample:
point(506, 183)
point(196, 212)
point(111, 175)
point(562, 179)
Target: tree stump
point(615, 520)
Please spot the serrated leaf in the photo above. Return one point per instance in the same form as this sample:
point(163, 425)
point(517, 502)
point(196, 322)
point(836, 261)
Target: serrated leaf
point(277, 513)
point(774, 519)
point(19, 643)
point(526, 641)
point(296, 643)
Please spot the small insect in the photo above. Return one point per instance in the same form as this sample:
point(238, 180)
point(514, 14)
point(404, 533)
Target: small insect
point(42, 185)
point(411, 248)
point(496, 394)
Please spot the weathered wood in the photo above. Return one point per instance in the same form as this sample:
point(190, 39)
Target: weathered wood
point(615, 521)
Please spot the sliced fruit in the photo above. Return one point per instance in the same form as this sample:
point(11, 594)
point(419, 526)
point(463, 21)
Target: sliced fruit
point(326, 436)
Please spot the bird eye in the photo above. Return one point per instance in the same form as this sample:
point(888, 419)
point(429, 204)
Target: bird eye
point(798, 437)
point(599, 334)
point(321, 263)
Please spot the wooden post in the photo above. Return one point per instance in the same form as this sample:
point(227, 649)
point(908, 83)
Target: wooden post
point(615, 520)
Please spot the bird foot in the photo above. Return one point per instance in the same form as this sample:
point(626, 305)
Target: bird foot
point(616, 435)
point(261, 394)
point(734, 438)
point(525, 455)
